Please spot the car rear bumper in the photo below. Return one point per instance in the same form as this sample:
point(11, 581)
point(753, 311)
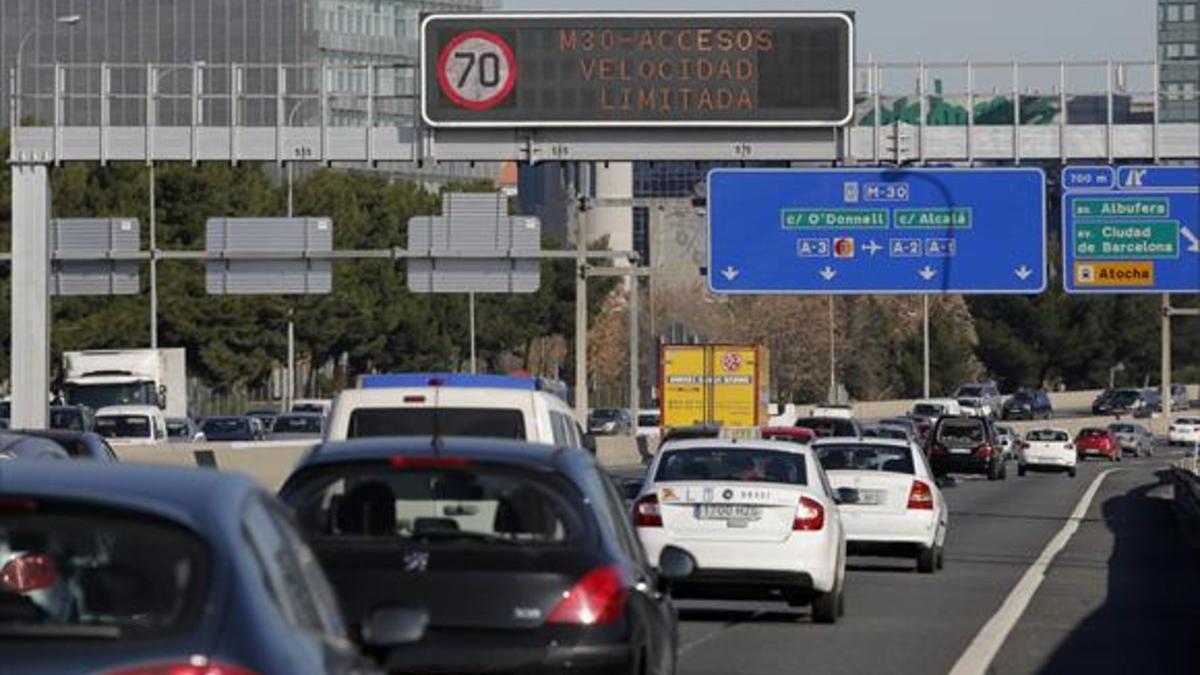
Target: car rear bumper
point(810, 556)
point(908, 529)
point(1183, 437)
point(1063, 462)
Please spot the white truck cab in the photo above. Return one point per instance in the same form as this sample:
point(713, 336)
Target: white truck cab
point(132, 424)
point(421, 404)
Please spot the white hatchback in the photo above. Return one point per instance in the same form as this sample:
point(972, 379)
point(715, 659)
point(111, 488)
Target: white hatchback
point(1047, 450)
point(900, 512)
point(1184, 431)
point(759, 517)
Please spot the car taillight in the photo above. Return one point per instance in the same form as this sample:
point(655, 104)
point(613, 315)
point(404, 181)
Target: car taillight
point(810, 516)
point(936, 449)
point(402, 462)
point(920, 496)
point(29, 573)
point(984, 451)
point(647, 512)
point(598, 598)
point(196, 665)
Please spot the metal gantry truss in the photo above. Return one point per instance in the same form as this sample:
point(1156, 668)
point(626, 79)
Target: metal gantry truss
point(367, 114)
point(197, 112)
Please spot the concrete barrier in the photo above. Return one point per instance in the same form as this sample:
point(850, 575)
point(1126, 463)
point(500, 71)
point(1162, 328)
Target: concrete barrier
point(269, 463)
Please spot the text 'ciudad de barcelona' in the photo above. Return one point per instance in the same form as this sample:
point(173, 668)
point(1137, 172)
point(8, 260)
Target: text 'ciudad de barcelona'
point(665, 70)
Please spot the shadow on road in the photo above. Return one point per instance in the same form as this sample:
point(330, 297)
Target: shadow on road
point(732, 616)
point(1150, 616)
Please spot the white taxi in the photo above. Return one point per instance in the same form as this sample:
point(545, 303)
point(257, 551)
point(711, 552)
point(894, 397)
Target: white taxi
point(900, 512)
point(1047, 450)
point(1184, 431)
point(759, 517)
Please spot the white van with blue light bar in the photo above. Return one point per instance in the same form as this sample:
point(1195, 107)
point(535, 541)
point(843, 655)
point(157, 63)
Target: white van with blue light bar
point(455, 404)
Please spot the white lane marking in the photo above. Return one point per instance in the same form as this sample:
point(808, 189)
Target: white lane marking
point(978, 657)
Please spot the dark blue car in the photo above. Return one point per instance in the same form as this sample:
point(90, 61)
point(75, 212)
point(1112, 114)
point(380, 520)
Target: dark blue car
point(499, 556)
point(138, 569)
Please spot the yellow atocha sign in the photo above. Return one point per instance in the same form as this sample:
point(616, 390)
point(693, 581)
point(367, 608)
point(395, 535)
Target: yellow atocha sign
point(1114, 273)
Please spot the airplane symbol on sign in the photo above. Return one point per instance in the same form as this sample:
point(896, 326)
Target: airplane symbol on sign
point(872, 248)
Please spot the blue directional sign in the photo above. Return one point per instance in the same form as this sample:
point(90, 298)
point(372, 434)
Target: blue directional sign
point(877, 230)
point(1132, 229)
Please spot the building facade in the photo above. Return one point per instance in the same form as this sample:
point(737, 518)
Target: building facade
point(1179, 60)
point(203, 37)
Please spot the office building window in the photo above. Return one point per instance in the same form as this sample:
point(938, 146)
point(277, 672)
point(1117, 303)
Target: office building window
point(1172, 13)
point(1173, 51)
point(641, 232)
point(1189, 50)
point(1189, 13)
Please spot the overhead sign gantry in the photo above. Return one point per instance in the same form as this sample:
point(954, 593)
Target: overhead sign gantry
point(790, 69)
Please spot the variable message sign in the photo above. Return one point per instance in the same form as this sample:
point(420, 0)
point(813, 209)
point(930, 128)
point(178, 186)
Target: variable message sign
point(877, 230)
point(646, 69)
point(1135, 229)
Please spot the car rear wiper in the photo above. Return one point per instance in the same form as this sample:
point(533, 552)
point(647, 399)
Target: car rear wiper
point(60, 631)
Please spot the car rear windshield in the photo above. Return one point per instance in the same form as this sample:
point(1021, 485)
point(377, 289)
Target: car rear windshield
point(928, 409)
point(286, 424)
point(73, 571)
point(1188, 420)
point(1047, 435)
point(464, 502)
point(606, 414)
point(1121, 428)
point(225, 426)
point(827, 427)
point(961, 433)
point(732, 464)
point(123, 426)
point(972, 390)
point(178, 430)
point(1092, 433)
point(475, 422)
point(648, 420)
point(865, 457)
point(885, 432)
point(1126, 397)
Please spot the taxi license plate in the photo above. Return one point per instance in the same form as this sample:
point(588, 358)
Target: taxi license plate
point(870, 497)
point(728, 512)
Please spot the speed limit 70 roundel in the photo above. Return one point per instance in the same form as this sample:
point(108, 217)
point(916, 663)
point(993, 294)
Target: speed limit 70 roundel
point(477, 70)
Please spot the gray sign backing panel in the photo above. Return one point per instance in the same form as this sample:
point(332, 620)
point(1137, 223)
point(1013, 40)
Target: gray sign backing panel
point(95, 277)
point(747, 69)
point(269, 275)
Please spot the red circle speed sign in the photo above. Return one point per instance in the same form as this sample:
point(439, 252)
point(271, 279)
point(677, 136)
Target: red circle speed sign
point(477, 70)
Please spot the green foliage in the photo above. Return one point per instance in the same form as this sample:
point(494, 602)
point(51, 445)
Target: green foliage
point(950, 353)
point(234, 341)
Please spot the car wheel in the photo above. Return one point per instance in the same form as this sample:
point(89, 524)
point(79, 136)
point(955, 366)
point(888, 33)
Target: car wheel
point(1071, 472)
point(993, 472)
point(825, 607)
point(1020, 469)
point(941, 557)
point(927, 559)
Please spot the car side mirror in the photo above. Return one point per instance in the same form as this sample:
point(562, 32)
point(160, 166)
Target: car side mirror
point(394, 626)
point(162, 397)
point(845, 495)
point(674, 564)
point(589, 443)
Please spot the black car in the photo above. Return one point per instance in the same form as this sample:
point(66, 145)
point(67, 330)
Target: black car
point(1027, 404)
point(1102, 404)
point(831, 427)
point(503, 556)
point(962, 444)
point(232, 429)
point(86, 445)
point(298, 426)
point(150, 569)
point(20, 446)
point(610, 422)
point(72, 418)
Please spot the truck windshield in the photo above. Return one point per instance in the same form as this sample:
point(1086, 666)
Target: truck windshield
point(96, 396)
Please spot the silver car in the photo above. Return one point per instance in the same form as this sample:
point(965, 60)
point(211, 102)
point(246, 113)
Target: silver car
point(1133, 439)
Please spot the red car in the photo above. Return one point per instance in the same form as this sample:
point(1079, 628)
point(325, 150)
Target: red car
point(793, 434)
point(1093, 441)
